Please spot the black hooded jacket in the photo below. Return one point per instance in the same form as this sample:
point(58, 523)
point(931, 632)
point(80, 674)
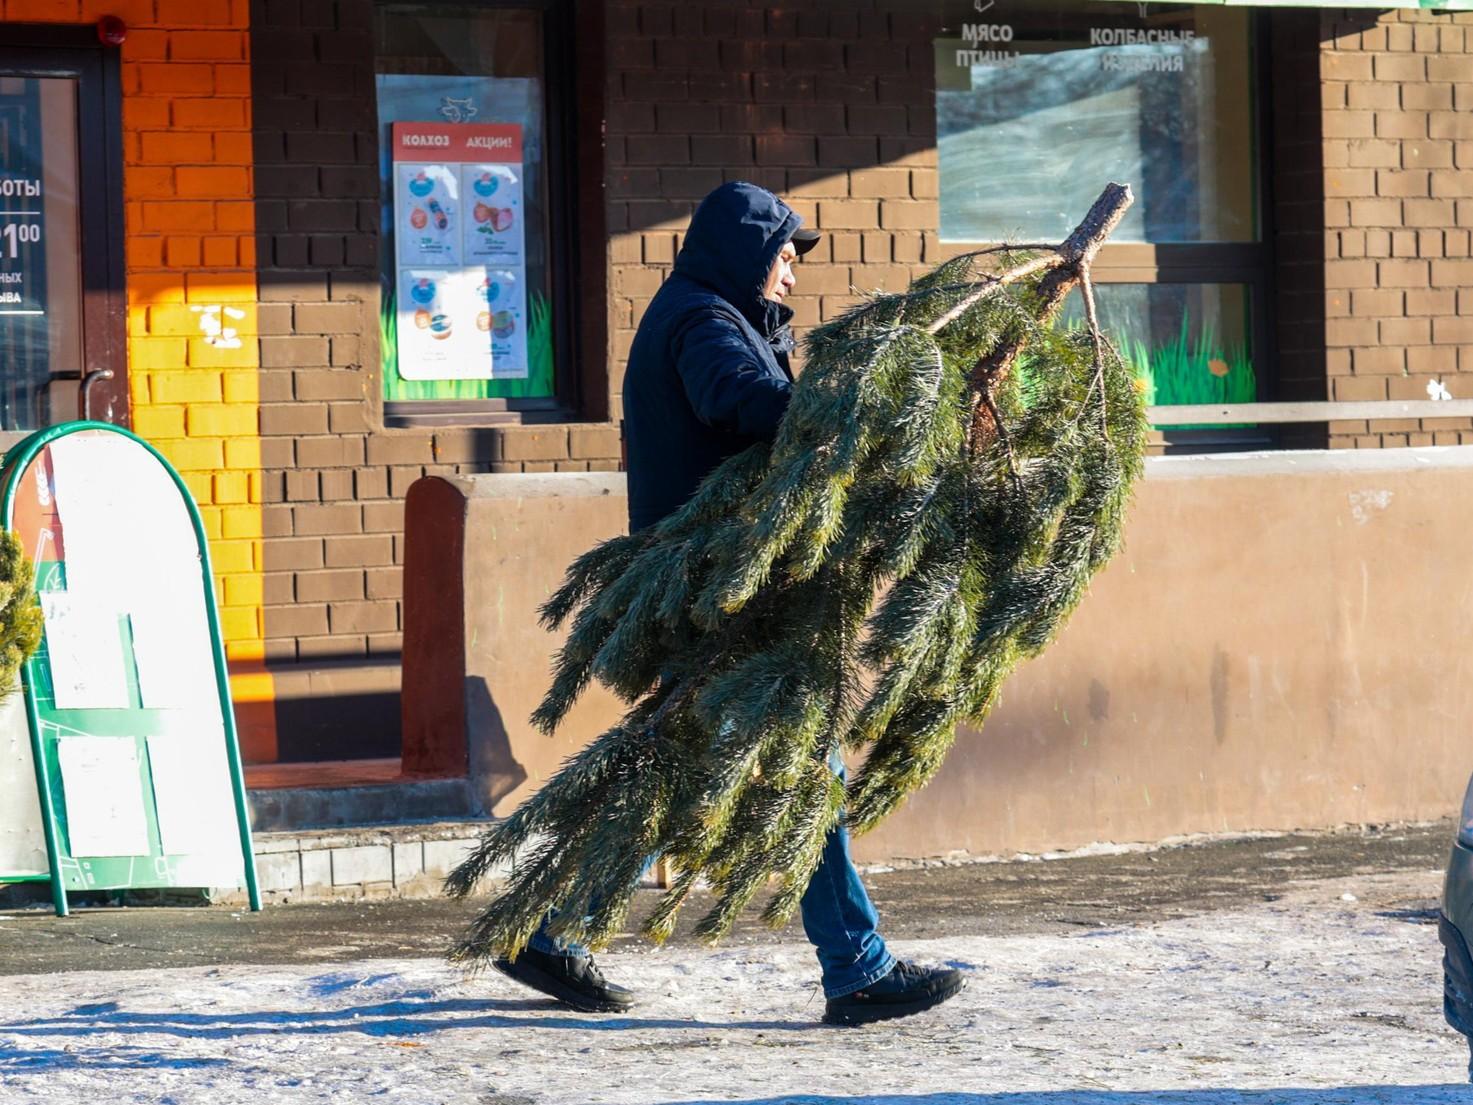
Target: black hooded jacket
point(708, 371)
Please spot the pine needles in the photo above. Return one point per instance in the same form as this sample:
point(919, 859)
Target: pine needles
point(20, 613)
point(951, 472)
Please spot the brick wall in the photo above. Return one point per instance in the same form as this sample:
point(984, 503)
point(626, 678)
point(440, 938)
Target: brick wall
point(333, 477)
point(189, 246)
point(252, 201)
point(831, 106)
point(329, 518)
point(1398, 152)
point(191, 289)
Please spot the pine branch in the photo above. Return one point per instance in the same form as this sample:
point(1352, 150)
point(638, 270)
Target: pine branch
point(20, 613)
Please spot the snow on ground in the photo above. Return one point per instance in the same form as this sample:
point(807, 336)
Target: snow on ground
point(1293, 1002)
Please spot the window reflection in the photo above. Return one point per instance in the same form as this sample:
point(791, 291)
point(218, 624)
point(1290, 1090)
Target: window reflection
point(1041, 105)
point(40, 253)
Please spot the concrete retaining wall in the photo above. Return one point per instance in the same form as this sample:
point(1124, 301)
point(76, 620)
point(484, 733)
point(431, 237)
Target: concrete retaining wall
point(1281, 645)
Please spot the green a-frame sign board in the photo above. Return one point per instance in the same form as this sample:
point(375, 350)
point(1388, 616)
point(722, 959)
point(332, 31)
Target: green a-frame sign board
point(125, 709)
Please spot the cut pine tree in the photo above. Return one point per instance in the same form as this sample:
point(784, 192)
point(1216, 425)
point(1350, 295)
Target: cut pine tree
point(926, 519)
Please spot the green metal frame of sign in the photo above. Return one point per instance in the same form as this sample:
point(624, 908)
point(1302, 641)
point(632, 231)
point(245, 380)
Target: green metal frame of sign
point(118, 872)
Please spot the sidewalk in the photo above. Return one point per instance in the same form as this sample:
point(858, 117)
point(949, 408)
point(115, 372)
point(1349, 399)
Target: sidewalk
point(1301, 970)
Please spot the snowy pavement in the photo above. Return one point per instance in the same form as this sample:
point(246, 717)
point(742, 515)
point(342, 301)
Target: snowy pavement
point(1322, 997)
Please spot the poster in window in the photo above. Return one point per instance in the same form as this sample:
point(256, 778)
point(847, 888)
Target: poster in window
point(494, 231)
point(501, 306)
point(428, 209)
point(461, 264)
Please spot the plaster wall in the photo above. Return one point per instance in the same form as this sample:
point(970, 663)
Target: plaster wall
point(1281, 645)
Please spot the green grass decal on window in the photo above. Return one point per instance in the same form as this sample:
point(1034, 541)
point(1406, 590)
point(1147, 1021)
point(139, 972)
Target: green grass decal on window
point(1191, 370)
point(539, 347)
point(537, 384)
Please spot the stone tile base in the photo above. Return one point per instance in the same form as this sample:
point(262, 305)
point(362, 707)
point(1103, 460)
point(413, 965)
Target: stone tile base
point(380, 861)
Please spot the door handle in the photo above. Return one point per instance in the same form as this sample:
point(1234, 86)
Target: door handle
point(84, 394)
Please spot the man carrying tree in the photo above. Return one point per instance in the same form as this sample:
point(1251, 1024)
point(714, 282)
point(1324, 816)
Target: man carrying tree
point(708, 376)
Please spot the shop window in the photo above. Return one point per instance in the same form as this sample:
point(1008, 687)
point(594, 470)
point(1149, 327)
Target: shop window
point(470, 322)
point(1040, 103)
point(1188, 343)
point(61, 272)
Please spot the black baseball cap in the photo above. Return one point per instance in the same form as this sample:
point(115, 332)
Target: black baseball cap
point(804, 239)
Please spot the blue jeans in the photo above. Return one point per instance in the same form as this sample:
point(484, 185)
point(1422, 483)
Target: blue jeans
point(838, 918)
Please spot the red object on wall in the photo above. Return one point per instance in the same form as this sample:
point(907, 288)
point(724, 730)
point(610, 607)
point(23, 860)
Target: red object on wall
point(111, 31)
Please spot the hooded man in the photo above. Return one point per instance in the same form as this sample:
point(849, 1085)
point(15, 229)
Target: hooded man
point(708, 376)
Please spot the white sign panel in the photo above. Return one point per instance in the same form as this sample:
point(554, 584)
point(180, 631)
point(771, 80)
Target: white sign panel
point(22, 837)
point(104, 796)
point(84, 644)
point(191, 793)
point(173, 654)
point(136, 497)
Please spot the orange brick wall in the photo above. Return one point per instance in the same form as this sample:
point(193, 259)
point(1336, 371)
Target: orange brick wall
point(193, 353)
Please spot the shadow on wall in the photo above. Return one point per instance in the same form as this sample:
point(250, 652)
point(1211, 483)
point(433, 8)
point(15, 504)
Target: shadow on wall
point(794, 103)
point(356, 726)
point(494, 771)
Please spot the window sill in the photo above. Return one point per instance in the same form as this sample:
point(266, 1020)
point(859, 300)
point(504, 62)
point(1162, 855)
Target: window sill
point(485, 412)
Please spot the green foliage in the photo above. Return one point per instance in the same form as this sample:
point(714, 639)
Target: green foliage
point(864, 583)
point(20, 613)
point(539, 347)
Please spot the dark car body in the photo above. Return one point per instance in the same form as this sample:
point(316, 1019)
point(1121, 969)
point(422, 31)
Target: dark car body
point(1455, 927)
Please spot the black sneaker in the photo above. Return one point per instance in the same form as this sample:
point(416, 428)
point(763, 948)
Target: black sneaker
point(572, 980)
point(905, 990)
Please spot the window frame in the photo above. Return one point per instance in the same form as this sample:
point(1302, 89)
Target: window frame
point(572, 110)
point(1251, 264)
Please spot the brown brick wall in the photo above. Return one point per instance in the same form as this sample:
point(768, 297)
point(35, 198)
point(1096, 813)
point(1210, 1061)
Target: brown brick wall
point(830, 105)
point(317, 218)
point(1397, 91)
point(833, 106)
point(334, 477)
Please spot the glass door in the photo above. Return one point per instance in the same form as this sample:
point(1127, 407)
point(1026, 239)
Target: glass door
point(62, 308)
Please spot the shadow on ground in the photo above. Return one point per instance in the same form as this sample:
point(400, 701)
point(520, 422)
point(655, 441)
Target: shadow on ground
point(1319, 1095)
point(51, 1062)
point(406, 1018)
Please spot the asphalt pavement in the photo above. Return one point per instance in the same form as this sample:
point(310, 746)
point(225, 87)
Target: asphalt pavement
point(928, 901)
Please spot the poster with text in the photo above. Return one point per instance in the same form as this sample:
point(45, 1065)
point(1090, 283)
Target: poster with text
point(494, 232)
point(501, 312)
point(461, 255)
point(427, 210)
